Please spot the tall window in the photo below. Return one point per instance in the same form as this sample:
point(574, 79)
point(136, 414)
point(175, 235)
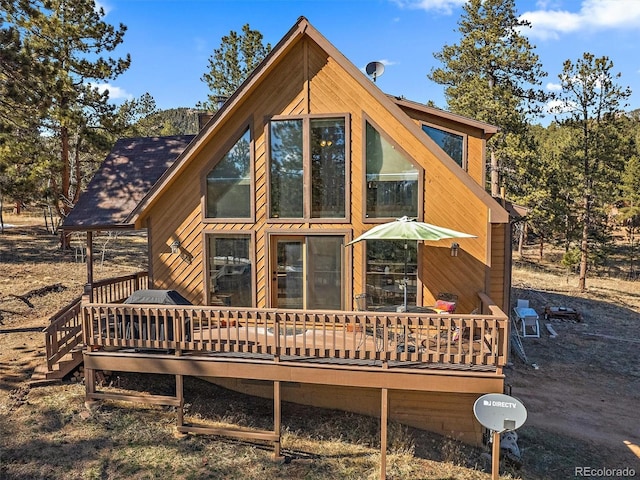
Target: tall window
point(392, 180)
point(308, 168)
point(229, 183)
point(390, 269)
point(451, 143)
point(230, 267)
point(287, 182)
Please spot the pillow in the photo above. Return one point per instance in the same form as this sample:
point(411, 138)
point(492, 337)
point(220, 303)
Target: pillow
point(448, 307)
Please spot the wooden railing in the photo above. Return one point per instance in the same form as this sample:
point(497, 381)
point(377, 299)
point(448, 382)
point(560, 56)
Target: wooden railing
point(64, 332)
point(392, 337)
point(113, 290)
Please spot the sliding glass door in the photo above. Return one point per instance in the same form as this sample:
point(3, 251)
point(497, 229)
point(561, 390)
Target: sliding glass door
point(307, 272)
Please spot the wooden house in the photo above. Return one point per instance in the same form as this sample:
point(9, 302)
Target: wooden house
point(249, 220)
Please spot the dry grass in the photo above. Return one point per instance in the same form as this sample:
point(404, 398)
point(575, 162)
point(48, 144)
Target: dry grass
point(47, 433)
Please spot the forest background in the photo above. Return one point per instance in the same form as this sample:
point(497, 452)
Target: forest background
point(577, 179)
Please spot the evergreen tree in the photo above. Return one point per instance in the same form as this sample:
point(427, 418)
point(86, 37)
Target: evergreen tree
point(68, 38)
point(491, 75)
point(232, 63)
point(591, 104)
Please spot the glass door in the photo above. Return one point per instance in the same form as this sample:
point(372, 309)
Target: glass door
point(307, 272)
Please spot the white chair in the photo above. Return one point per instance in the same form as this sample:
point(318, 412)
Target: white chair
point(533, 325)
point(528, 319)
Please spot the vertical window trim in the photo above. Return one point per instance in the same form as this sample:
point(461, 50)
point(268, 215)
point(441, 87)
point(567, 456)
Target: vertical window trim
point(465, 142)
point(421, 173)
point(217, 158)
point(306, 163)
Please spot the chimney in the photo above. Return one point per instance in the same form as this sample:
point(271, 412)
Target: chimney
point(203, 119)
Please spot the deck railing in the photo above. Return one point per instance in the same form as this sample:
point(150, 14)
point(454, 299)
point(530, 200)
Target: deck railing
point(113, 290)
point(392, 337)
point(64, 332)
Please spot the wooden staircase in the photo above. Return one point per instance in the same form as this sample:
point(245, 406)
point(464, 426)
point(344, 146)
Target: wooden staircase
point(45, 374)
point(64, 341)
point(63, 344)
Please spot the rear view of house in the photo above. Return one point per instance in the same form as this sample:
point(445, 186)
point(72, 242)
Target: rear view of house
point(250, 221)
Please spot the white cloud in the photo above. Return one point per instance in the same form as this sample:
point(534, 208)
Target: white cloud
point(558, 107)
point(104, 6)
point(442, 6)
point(593, 15)
point(554, 87)
point(115, 93)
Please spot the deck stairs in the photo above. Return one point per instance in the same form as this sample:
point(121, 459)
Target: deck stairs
point(64, 342)
point(60, 369)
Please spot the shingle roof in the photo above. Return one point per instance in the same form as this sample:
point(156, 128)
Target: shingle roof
point(132, 167)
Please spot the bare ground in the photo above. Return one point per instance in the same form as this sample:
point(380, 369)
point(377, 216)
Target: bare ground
point(583, 399)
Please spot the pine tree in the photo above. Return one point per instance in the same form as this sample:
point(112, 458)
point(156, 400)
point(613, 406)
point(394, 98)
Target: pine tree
point(591, 104)
point(68, 38)
point(491, 75)
point(232, 63)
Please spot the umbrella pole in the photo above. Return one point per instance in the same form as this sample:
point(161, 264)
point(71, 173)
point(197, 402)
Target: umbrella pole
point(406, 280)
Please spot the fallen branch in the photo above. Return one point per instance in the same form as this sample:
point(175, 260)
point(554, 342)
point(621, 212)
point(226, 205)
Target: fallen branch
point(38, 292)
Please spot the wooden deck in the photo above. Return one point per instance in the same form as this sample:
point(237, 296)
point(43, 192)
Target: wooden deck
point(398, 365)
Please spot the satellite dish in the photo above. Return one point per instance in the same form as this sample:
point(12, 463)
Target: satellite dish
point(499, 412)
point(374, 69)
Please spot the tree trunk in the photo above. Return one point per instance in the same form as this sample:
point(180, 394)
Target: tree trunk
point(541, 251)
point(495, 176)
point(584, 254)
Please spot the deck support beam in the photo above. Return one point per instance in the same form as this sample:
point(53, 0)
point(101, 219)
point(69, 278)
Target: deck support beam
point(384, 416)
point(277, 416)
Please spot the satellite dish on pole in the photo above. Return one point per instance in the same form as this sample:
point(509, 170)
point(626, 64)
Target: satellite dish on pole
point(374, 69)
point(499, 413)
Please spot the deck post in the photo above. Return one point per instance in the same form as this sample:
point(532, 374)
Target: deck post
point(90, 389)
point(180, 398)
point(90, 258)
point(384, 414)
point(277, 412)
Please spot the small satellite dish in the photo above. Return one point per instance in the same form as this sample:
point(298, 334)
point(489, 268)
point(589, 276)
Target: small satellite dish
point(374, 69)
point(499, 412)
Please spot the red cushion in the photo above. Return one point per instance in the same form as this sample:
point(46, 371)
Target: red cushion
point(447, 306)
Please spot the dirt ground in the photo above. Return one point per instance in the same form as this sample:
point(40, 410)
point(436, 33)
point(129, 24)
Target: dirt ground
point(581, 388)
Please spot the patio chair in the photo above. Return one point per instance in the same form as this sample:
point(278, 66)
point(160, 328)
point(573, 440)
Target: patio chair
point(529, 320)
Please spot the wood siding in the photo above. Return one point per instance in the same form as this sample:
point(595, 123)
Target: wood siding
point(307, 80)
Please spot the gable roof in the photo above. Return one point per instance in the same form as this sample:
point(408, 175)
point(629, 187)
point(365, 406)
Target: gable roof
point(301, 29)
point(132, 167)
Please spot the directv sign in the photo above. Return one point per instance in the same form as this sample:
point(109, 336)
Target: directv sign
point(499, 412)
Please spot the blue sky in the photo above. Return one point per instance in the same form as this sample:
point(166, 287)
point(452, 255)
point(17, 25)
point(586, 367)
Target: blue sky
point(170, 41)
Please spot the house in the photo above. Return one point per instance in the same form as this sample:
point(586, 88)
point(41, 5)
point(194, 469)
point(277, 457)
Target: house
point(249, 220)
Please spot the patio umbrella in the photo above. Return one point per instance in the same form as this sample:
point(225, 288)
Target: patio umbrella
point(406, 229)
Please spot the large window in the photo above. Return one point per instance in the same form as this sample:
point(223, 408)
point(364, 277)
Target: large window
point(229, 183)
point(390, 269)
point(230, 270)
point(307, 168)
point(392, 180)
point(451, 143)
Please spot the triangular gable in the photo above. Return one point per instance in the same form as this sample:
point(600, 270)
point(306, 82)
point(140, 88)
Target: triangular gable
point(301, 29)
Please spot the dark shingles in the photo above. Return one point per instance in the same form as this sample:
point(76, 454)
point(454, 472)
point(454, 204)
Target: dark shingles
point(132, 167)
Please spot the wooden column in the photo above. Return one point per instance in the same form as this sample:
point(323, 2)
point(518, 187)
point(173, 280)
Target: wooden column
point(277, 412)
point(180, 398)
point(384, 415)
point(90, 259)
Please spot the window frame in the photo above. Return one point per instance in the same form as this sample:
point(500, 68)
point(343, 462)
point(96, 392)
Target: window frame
point(421, 172)
point(307, 168)
point(207, 266)
point(216, 159)
point(465, 142)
